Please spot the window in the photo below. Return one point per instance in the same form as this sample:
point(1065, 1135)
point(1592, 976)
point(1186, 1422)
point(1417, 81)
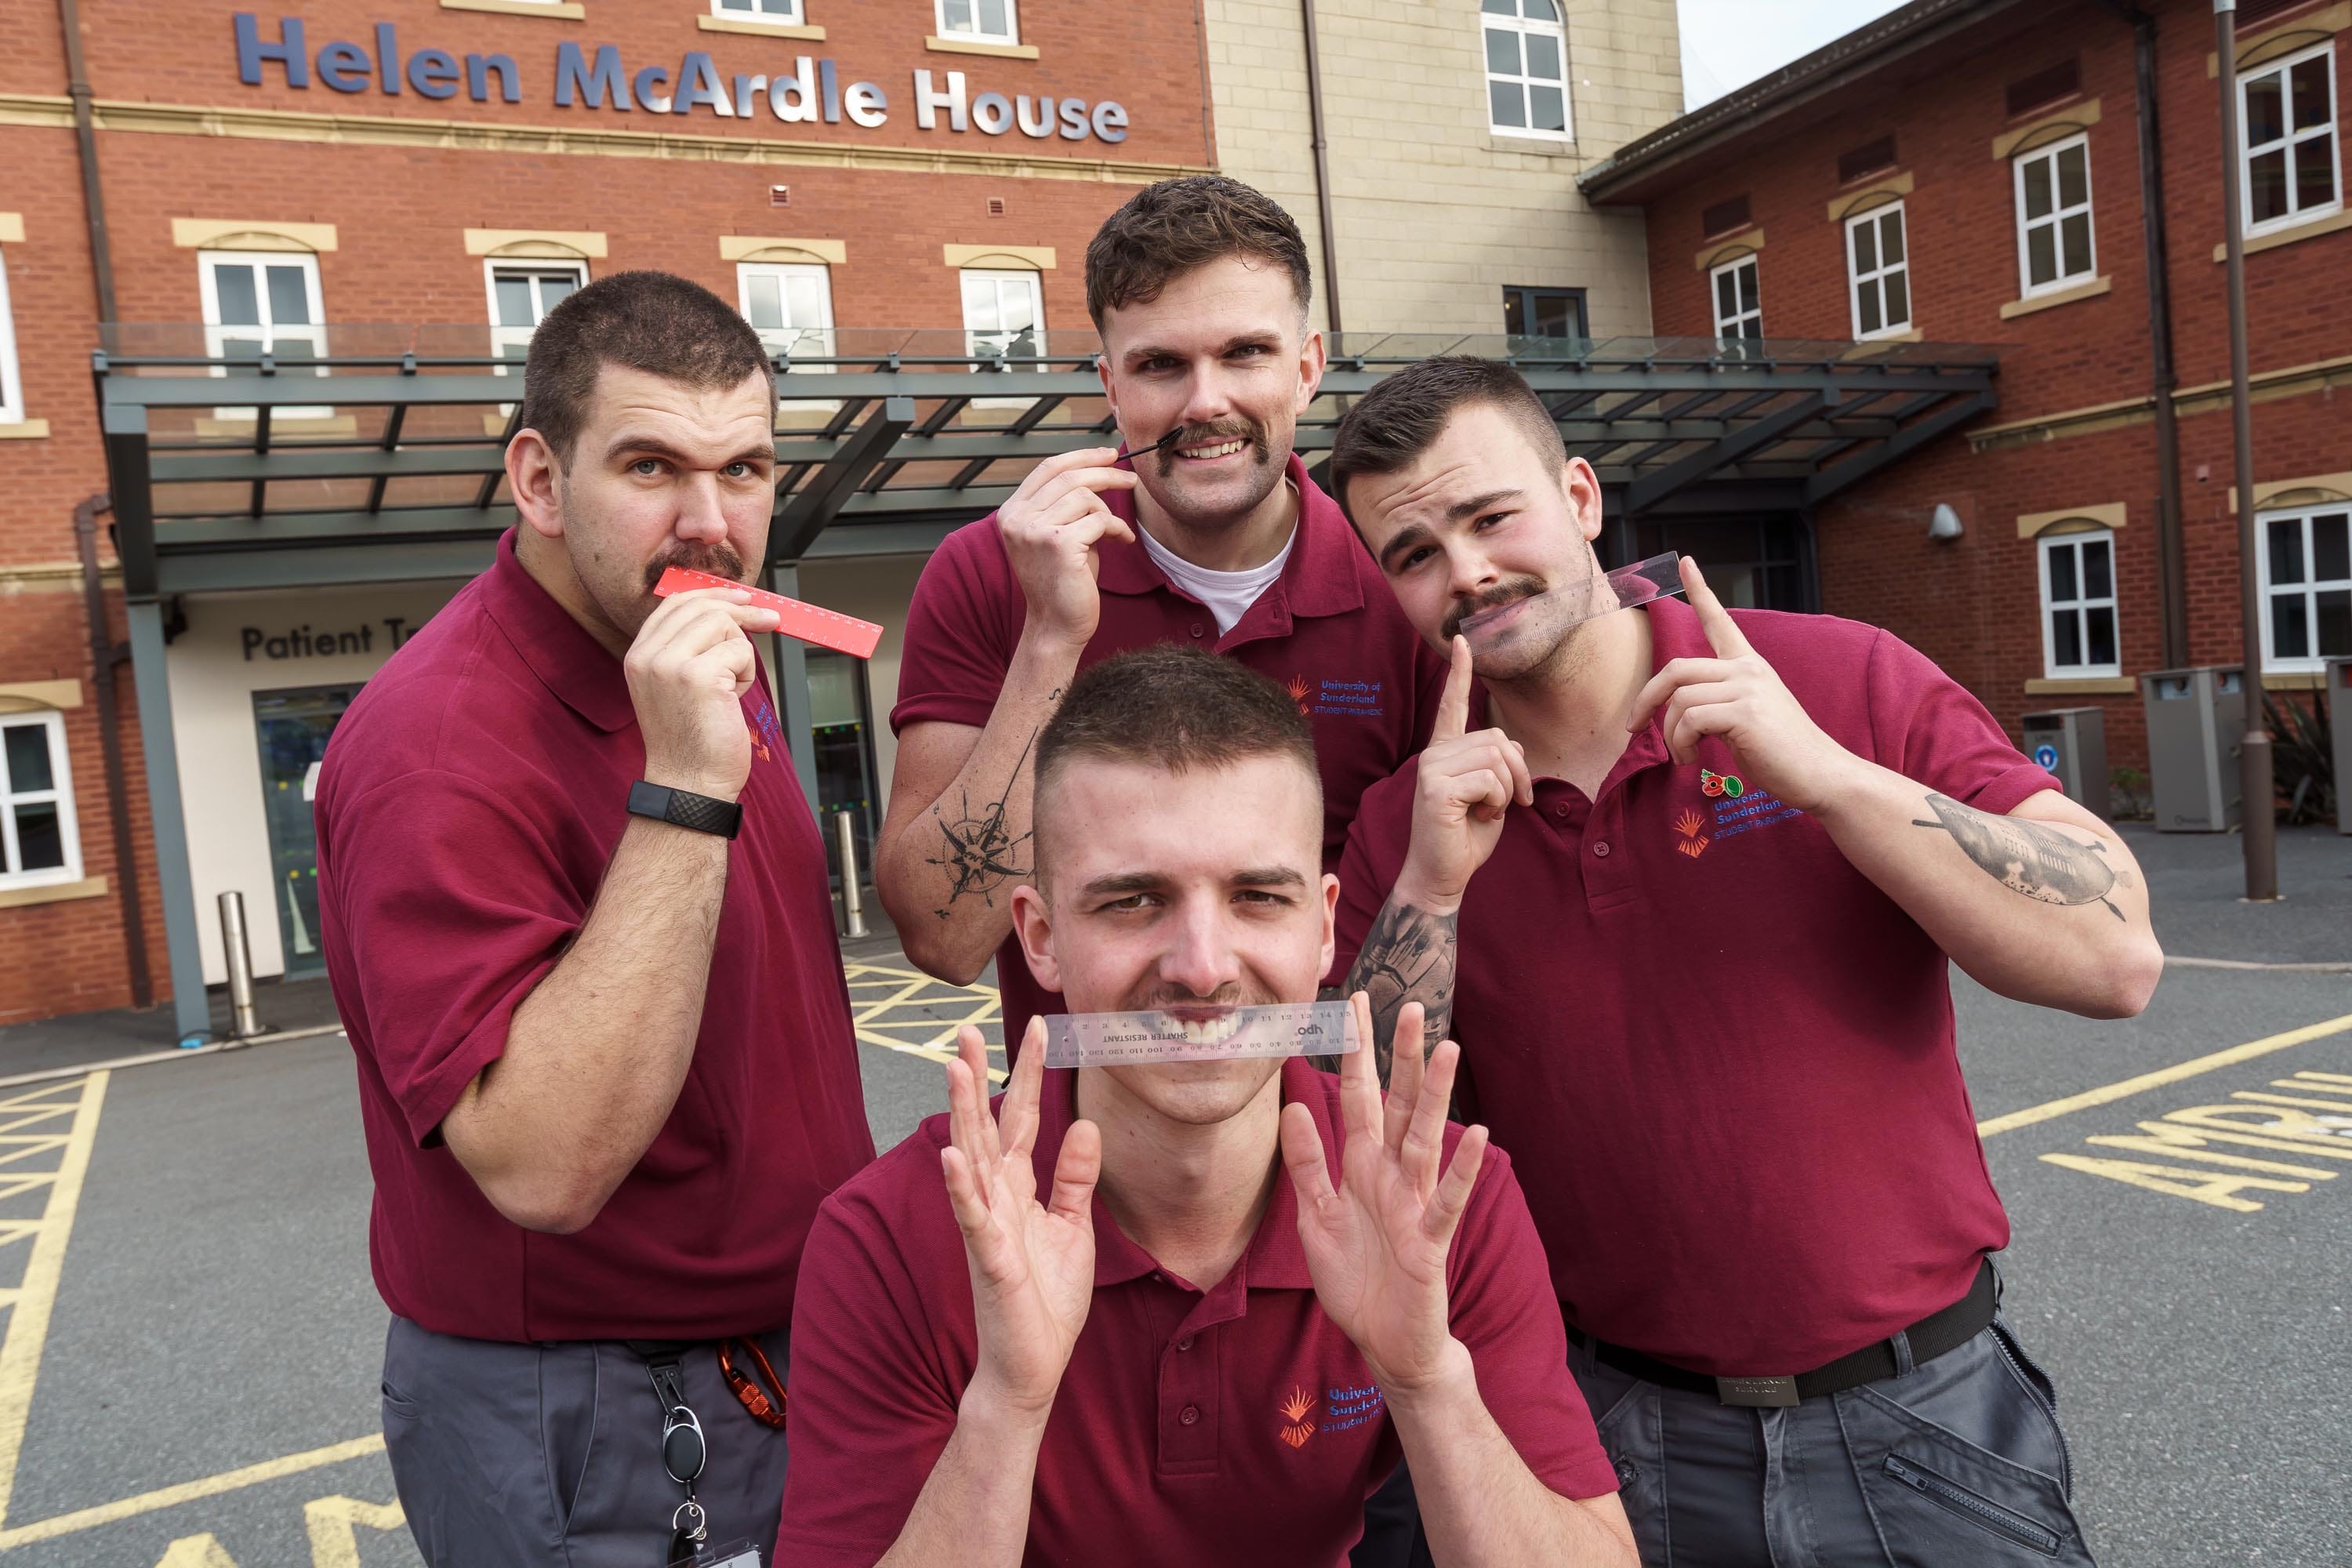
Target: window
point(2078, 605)
point(983, 21)
point(258, 302)
point(1882, 277)
point(790, 305)
point(2307, 562)
point(12, 392)
point(1526, 68)
point(2289, 112)
point(1738, 308)
point(1543, 313)
point(1003, 314)
point(2053, 216)
point(782, 12)
point(521, 294)
point(38, 843)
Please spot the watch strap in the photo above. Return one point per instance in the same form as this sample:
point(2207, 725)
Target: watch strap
point(684, 809)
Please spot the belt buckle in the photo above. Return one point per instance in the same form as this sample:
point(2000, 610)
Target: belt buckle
point(1762, 1393)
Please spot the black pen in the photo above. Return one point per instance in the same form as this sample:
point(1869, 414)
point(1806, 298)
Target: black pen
point(1163, 443)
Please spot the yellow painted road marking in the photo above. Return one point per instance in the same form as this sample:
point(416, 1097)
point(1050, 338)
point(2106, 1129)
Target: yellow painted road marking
point(331, 1523)
point(190, 1491)
point(29, 1303)
point(2157, 1079)
point(906, 989)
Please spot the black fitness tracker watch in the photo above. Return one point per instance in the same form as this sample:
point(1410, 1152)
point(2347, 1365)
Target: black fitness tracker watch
point(699, 812)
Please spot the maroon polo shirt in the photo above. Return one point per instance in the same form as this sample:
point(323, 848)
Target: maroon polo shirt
point(1723, 1059)
point(1234, 1425)
point(1328, 628)
point(468, 804)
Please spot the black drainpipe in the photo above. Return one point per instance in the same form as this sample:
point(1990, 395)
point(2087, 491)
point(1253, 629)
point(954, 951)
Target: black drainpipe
point(1322, 169)
point(93, 196)
point(2172, 553)
point(107, 656)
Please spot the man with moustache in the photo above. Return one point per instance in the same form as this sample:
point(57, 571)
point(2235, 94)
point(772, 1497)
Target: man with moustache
point(1184, 1355)
point(1722, 860)
point(1200, 288)
point(577, 923)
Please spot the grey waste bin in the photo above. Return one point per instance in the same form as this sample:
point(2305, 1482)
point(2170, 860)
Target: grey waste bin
point(2196, 719)
point(2072, 742)
point(2339, 721)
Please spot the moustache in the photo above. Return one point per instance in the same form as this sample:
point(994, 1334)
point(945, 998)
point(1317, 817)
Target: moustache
point(1243, 430)
point(718, 560)
point(1492, 598)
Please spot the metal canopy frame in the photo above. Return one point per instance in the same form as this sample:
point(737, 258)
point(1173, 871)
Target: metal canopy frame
point(383, 459)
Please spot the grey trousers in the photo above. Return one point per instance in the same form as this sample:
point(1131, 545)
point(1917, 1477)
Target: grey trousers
point(1958, 1462)
point(527, 1454)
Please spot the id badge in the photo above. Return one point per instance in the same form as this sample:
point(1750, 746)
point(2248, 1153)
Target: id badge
point(734, 1554)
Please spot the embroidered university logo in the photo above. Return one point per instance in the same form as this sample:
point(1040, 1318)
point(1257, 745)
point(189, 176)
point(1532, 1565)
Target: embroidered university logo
point(1299, 691)
point(1693, 842)
point(1294, 1410)
point(766, 733)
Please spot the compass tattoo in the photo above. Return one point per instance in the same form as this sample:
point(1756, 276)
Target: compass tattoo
point(977, 849)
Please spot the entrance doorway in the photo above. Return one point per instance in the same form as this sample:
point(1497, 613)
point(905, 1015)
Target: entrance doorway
point(841, 725)
point(292, 727)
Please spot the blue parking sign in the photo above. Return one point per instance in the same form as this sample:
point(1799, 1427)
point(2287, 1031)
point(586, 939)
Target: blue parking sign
point(2047, 755)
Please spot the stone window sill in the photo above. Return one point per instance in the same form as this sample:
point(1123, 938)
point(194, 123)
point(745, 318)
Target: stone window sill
point(308, 425)
point(23, 430)
point(760, 29)
point(1534, 146)
point(2333, 222)
point(52, 893)
point(563, 12)
point(939, 46)
point(2089, 290)
point(2083, 685)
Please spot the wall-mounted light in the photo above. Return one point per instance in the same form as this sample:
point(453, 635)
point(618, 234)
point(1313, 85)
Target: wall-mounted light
point(1945, 523)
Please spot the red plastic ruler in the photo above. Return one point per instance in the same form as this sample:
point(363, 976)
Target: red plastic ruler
point(826, 629)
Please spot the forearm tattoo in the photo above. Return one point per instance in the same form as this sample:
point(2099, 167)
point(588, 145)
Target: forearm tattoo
point(979, 852)
point(1408, 956)
point(2029, 857)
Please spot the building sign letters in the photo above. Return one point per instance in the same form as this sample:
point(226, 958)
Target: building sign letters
point(597, 77)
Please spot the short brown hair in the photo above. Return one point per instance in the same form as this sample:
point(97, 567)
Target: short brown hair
point(651, 321)
point(1404, 414)
point(1168, 230)
point(1172, 708)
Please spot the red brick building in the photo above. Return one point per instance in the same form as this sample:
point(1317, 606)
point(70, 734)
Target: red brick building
point(1972, 172)
point(264, 175)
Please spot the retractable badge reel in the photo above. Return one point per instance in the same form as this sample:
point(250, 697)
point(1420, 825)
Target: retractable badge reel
point(684, 1453)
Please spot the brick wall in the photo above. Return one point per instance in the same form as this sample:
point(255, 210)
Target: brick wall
point(1973, 603)
point(400, 204)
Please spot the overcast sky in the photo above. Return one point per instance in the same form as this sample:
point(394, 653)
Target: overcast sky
point(1728, 43)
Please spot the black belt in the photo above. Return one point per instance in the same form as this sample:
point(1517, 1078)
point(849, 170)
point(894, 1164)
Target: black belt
point(1930, 1337)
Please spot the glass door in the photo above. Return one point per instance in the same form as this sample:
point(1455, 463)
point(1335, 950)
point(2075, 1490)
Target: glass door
point(840, 723)
point(292, 729)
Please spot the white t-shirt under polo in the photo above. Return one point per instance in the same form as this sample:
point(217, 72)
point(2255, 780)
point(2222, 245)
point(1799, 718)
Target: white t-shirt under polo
point(1228, 594)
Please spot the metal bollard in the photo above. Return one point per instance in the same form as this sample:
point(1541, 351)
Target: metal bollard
point(242, 1022)
point(853, 909)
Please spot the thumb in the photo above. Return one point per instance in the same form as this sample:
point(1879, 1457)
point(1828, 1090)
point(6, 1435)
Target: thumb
point(1723, 634)
point(1453, 706)
point(1075, 1170)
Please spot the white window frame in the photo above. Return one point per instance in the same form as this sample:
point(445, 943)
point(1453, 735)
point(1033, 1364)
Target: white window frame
point(975, 339)
point(1523, 25)
point(816, 337)
point(216, 335)
point(2054, 220)
point(975, 33)
point(2293, 142)
point(11, 385)
point(1727, 327)
point(2080, 606)
point(2310, 588)
point(1877, 276)
point(53, 724)
point(503, 337)
point(794, 14)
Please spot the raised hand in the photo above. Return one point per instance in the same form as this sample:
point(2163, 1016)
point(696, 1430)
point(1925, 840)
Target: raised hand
point(1376, 1245)
point(688, 669)
point(1032, 1265)
point(1738, 696)
point(1466, 783)
point(1049, 527)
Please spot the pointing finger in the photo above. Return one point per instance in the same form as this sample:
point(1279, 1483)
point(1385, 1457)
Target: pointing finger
point(1723, 634)
point(1453, 707)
